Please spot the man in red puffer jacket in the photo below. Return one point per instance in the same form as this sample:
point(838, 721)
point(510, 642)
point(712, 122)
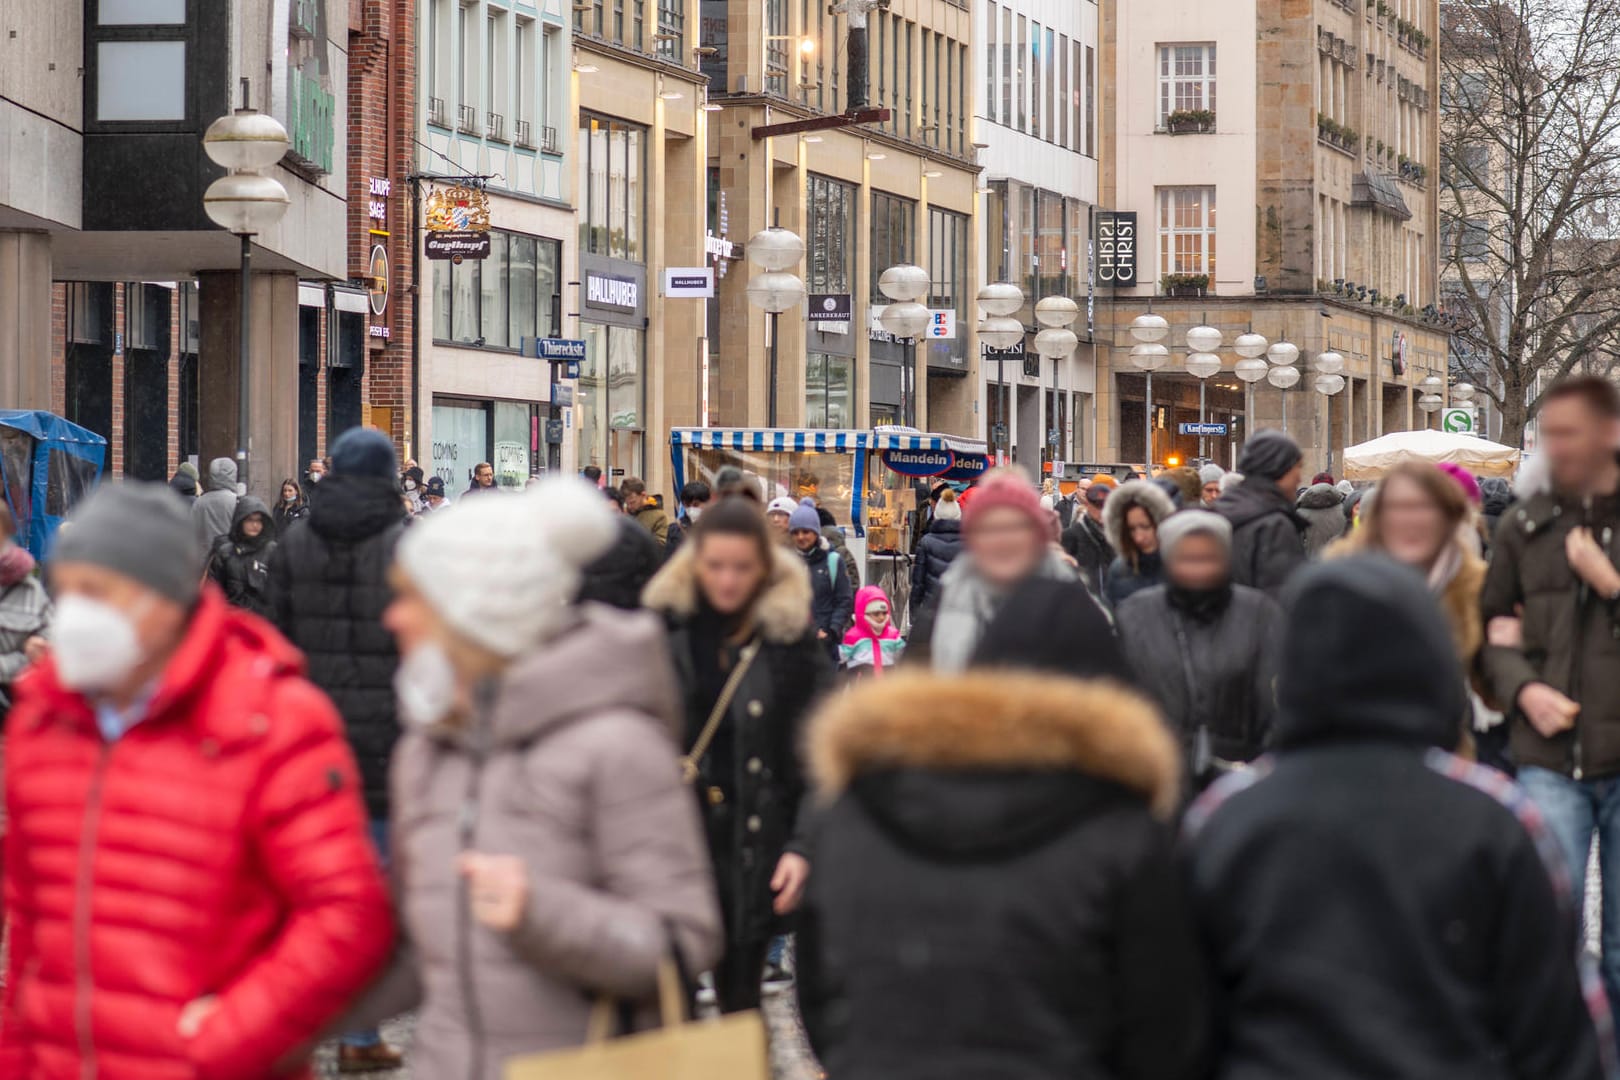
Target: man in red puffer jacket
point(189, 885)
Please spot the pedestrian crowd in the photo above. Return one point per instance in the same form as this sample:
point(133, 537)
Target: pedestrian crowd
point(1205, 774)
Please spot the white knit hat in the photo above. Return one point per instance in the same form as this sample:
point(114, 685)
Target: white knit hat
point(501, 571)
point(782, 505)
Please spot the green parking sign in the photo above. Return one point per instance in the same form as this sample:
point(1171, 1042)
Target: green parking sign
point(1458, 421)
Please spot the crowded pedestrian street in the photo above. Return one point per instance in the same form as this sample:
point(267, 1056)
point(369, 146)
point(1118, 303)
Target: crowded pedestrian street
point(867, 540)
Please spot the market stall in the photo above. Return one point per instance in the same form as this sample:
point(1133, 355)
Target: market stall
point(47, 464)
point(1371, 460)
point(872, 482)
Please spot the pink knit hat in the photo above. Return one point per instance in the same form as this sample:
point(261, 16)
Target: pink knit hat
point(1008, 490)
point(1465, 480)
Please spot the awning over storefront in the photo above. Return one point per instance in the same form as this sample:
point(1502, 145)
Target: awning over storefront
point(761, 440)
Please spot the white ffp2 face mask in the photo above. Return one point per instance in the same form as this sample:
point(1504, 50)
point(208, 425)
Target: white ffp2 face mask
point(94, 644)
point(425, 685)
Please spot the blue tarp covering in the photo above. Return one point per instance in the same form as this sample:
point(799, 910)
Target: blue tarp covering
point(47, 464)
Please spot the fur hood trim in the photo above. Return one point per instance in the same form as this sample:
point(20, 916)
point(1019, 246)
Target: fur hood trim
point(1144, 493)
point(782, 611)
point(995, 722)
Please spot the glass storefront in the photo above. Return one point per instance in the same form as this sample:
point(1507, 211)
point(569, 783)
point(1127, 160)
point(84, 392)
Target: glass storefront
point(503, 433)
point(612, 400)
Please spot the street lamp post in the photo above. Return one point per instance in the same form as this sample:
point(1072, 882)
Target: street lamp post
point(1055, 341)
point(775, 290)
point(1202, 362)
point(1429, 399)
point(1329, 381)
point(999, 332)
point(1283, 374)
point(906, 318)
point(1251, 368)
point(1148, 356)
point(245, 202)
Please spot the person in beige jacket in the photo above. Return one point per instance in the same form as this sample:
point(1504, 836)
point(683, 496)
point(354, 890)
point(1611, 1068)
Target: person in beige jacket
point(547, 854)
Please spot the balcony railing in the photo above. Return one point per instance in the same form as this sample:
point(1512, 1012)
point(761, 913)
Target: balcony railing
point(548, 140)
point(520, 134)
point(495, 127)
point(467, 119)
point(436, 111)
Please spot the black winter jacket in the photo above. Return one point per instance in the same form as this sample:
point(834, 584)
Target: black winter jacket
point(241, 566)
point(1321, 508)
point(1087, 544)
point(618, 577)
point(329, 586)
point(1266, 543)
point(1123, 582)
point(937, 549)
point(994, 894)
point(1218, 673)
point(1372, 905)
point(833, 604)
point(754, 764)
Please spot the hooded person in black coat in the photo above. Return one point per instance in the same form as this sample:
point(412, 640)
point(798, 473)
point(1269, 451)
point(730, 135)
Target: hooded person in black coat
point(937, 549)
point(1086, 540)
point(240, 563)
point(329, 587)
point(1267, 547)
point(1372, 905)
point(994, 893)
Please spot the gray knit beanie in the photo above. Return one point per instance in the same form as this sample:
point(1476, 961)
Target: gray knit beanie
point(1178, 526)
point(1211, 474)
point(142, 531)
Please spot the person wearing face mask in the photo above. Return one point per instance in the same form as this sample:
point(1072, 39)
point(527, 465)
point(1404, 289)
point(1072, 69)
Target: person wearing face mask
point(241, 561)
point(548, 852)
point(190, 887)
point(291, 507)
point(749, 669)
point(410, 483)
point(1131, 518)
point(694, 497)
point(328, 588)
point(874, 643)
point(1207, 650)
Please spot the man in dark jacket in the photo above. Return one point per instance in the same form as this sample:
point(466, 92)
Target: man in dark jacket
point(1086, 541)
point(1496, 496)
point(1321, 507)
point(1266, 544)
point(834, 601)
point(618, 577)
point(994, 894)
point(937, 549)
point(695, 495)
point(1373, 905)
point(329, 587)
point(1554, 561)
point(1207, 650)
point(483, 480)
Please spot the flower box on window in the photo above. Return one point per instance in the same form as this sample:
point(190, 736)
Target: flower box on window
point(1185, 285)
point(1190, 121)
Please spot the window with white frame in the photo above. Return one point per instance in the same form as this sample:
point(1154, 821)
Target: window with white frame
point(1186, 79)
point(1187, 230)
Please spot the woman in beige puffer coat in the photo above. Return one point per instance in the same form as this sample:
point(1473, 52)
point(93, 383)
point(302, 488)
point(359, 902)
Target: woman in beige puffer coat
point(546, 851)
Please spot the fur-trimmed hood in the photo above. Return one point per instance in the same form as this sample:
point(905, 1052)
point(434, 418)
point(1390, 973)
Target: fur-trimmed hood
point(1144, 493)
point(990, 726)
point(782, 610)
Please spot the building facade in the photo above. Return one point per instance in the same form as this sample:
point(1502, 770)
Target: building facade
point(864, 197)
point(1035, 86)
point(494, 91)
point(1280, 166)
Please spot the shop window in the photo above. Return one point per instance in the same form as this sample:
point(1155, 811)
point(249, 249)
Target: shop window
point(829, 391)
point(613, 392)
point(146, 382)
point(343, 398)
point(513, 434)
point(612, 164)
point(88, 374)
point(309, 384)
point(460, 442)
point(495, 303)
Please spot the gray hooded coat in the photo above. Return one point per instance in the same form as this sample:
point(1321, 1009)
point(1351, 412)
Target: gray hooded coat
point(573, 769)
point(1321, 507)
point(212, 512)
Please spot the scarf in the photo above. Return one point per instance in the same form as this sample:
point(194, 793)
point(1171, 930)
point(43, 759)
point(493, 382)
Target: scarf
point(967, 604)
point(1202, 606)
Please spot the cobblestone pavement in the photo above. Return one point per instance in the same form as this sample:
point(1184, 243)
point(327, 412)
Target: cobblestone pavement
point(790, 1053)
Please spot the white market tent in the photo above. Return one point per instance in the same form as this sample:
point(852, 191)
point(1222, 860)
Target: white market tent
point(1371, 460)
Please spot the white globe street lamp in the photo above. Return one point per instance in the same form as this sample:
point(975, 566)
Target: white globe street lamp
point(907, 319)
point(245, 202)
point(1202, 362)
point(1328, 363)
point(1329, 384)
point(999, 332)
point(1283, 374)
point(1202, 365)
point(1056, 311)
point(1251, 369)
point(1282, 378)
point(1056, 342)
point(774, 251)
point(1249, 345)
point(1149, 328)
point(904, 282)
point(1204, 339)
point(1463, 392)
point(1148, 357)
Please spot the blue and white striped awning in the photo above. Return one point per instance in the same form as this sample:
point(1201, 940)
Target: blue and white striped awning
point(905, 438)
point(768, 440)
